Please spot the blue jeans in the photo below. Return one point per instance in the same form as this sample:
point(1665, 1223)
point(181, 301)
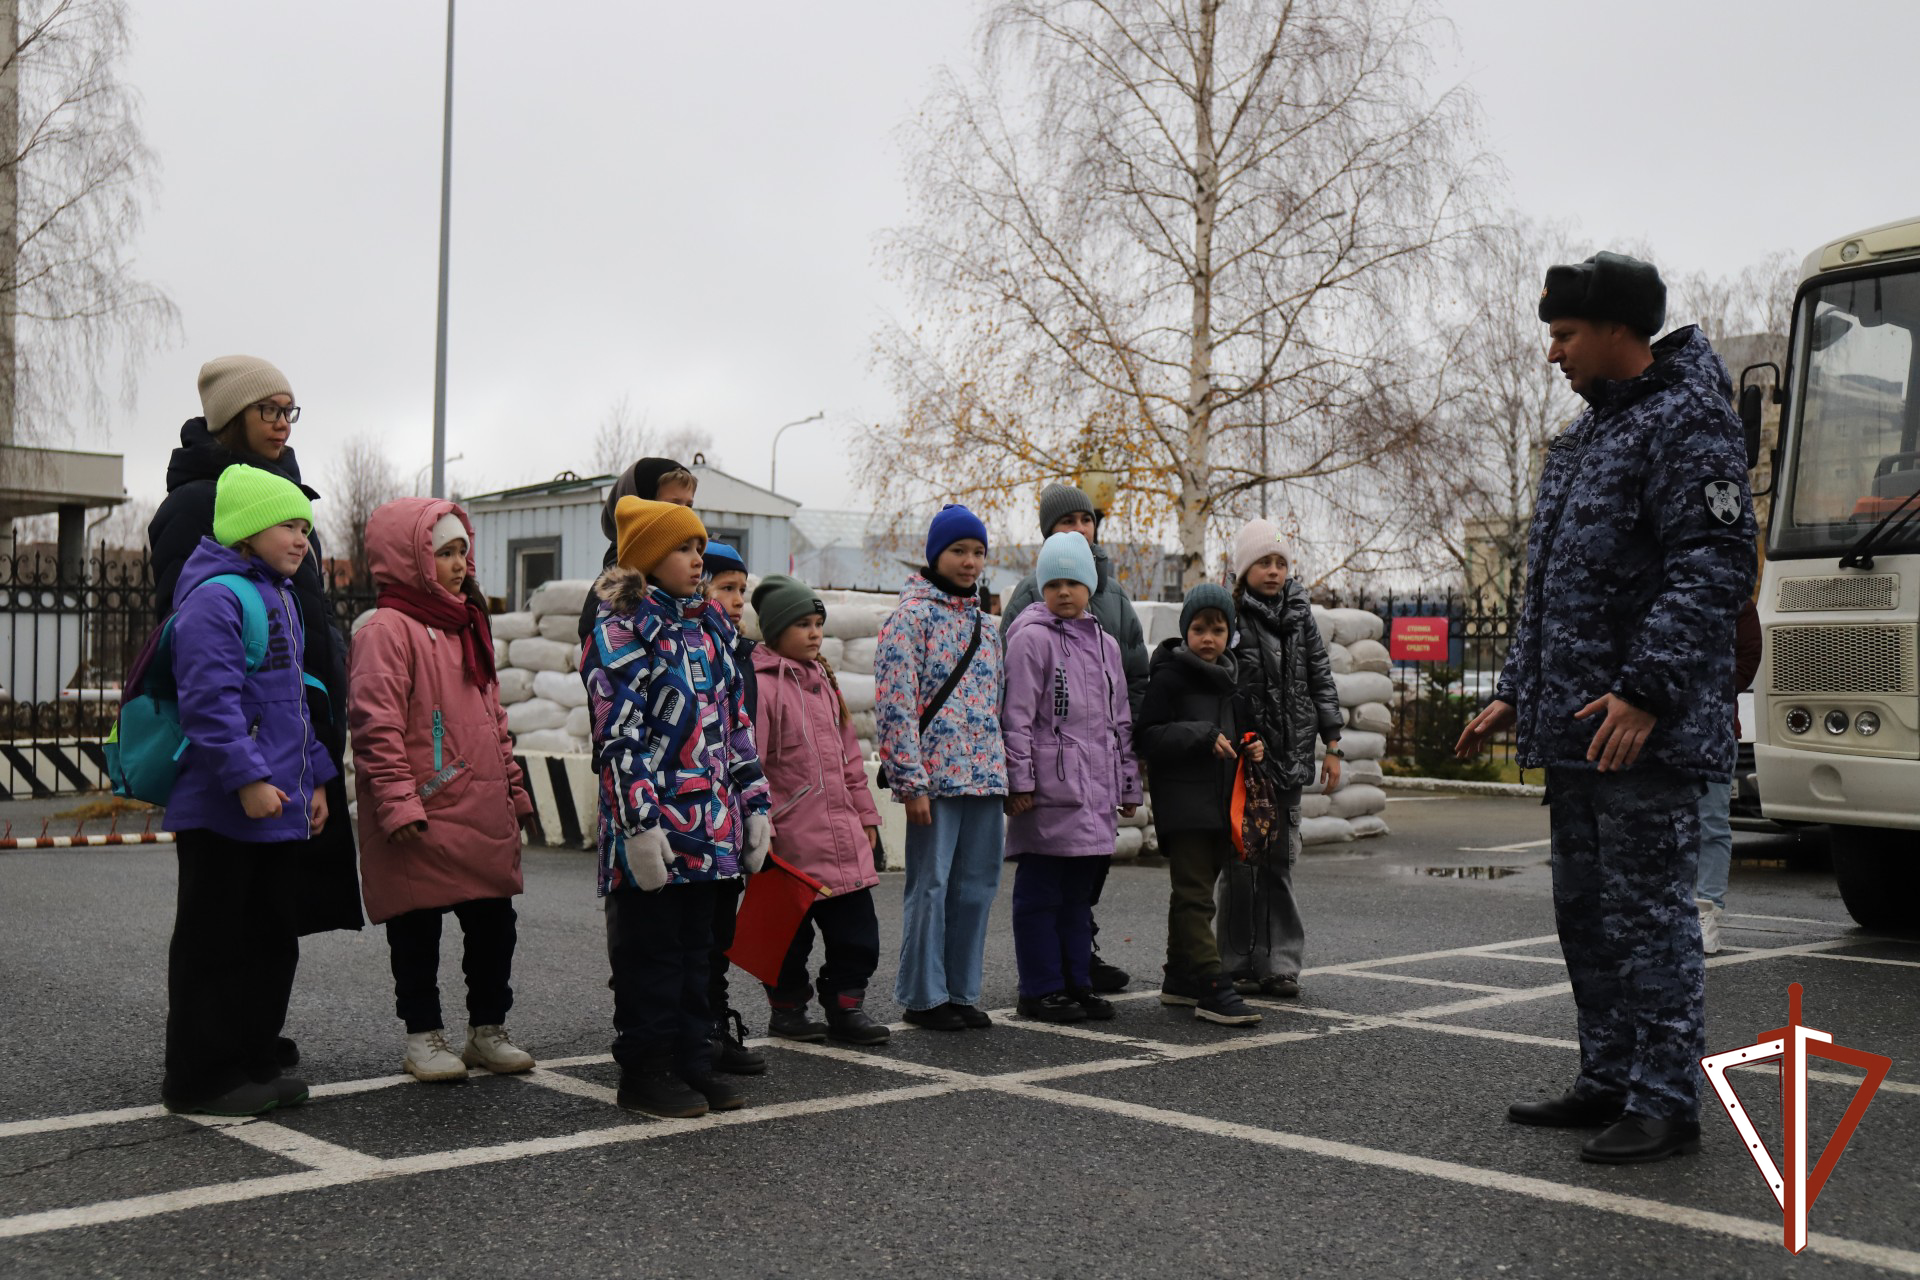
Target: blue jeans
point(953, 872)
point(1716, 843)
point(1053, 921)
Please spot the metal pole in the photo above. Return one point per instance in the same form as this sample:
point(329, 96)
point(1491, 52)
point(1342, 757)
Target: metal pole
point(440, 340)
point(773, 465)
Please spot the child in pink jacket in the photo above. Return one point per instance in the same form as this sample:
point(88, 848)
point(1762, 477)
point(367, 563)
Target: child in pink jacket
point(440, 797)
point(825, 821)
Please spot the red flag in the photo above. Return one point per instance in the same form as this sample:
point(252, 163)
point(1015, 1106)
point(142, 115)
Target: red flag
point(777, 899)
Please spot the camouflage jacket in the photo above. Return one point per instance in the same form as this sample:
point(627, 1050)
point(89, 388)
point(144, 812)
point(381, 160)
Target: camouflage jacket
point(1640, 554)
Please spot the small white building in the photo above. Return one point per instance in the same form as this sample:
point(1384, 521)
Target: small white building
point(539, 532)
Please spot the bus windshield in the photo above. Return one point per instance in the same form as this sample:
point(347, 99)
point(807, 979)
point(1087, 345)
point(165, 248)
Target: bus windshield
point(1853, 445)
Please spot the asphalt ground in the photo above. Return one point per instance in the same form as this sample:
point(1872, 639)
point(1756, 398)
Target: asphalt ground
point(1359, 1131)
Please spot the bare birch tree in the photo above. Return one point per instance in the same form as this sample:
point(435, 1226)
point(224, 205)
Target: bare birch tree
point(1176, 240)
point(360, 479)
point(75, 317)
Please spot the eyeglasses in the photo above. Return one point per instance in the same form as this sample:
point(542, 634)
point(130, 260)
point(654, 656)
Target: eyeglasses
point(272, 412)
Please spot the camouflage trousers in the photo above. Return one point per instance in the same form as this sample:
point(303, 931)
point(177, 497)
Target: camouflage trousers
point(1625, 847)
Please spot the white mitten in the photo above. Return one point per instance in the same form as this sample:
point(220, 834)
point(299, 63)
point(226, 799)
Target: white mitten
point(759, 838)
point(647, 855)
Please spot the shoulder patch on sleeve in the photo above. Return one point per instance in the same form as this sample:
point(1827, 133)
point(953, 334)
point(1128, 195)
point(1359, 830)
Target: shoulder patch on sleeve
point(1723, 500)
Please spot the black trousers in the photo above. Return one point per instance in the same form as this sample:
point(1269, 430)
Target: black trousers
point(1099, 883)
point(413, 945)
point(660, 948)
point(230, 965)
point(726, 906)
point(851, 933)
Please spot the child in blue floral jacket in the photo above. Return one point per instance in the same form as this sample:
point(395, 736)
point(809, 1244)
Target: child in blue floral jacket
point(683, 802)
point(950, 772)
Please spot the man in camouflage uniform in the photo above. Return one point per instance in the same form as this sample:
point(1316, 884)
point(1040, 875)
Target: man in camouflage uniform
point(1640, 553)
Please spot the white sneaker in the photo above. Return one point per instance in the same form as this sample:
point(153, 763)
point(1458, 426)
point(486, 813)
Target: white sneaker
point(430, 1057)
point(493, 1048)
point(1709, 924)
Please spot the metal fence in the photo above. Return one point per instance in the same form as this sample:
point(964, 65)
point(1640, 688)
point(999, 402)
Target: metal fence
point(68, 633)
point(1434, 700)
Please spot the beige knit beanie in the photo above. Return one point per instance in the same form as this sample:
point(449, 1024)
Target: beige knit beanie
point(231, 383)
point(1257, 540)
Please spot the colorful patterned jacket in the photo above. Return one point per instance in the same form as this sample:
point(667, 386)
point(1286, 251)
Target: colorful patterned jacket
point(671, 738)
point(961, 753)
point(1640, 554)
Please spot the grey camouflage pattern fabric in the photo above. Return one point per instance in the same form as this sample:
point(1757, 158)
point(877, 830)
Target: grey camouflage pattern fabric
point(1624, 852)
point(1635, 573)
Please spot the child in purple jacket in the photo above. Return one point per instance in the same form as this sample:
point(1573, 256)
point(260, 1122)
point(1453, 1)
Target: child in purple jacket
point(251, 788)
point(1070, 768)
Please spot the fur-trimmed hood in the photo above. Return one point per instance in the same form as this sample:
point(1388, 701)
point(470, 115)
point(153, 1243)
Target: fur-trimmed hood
point(621, 588)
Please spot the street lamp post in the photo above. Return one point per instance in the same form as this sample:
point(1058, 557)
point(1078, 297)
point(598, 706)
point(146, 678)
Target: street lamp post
point(440, 341)
point(773, 465)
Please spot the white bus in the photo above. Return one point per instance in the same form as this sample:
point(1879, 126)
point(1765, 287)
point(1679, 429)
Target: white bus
point(1837, 698)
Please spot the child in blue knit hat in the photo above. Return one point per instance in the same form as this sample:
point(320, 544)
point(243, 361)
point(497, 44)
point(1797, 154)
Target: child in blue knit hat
point(937, 674)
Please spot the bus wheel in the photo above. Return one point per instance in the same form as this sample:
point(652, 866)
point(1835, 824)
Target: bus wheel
point(1878, 872)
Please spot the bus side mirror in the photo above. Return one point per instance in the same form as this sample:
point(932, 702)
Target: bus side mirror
point(1750, 406)
point(1752, 400)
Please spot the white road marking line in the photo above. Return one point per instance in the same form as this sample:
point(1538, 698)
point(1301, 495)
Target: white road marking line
point(1760, 1232)
point(1840, 925)
point(548, 1078)
point(84, 1120)
point(1420, 799)
point(374, 1169)
point(1507, 848)
point(1413, 957)
point(291, 1144)
point(1559, 962)
point(1421, 982)
point(1835, 955)
point(1365, 1021)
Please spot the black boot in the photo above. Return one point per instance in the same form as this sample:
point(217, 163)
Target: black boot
point(1055, 1006)
point(730, 1053)
point(1642, 1139)
point(1568, 1111)
point(720, 1095)
point(1104, 977)
point(792, 1023)
point(1098, 1009)
point(656, 1089)
point(848, 1021)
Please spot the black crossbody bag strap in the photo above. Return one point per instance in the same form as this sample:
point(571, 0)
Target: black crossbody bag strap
point(945, 691)
point(941, 694)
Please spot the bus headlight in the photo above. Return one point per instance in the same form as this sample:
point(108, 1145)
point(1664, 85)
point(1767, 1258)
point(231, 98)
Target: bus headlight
point(1799, 719)
point(1836, 722)
point(1866, 724)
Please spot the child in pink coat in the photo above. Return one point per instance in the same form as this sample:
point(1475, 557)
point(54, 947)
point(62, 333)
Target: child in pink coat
point(440, 797)
point(825, 821)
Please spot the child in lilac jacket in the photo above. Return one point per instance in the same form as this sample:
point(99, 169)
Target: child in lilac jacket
point(1070, 773)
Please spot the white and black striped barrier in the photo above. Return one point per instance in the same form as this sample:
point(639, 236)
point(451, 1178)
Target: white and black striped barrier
point(52, 767)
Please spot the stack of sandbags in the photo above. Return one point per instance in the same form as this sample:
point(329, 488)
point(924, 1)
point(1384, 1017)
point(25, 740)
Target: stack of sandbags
point(537, 653)
point(1362, 675)
point(1159, 620)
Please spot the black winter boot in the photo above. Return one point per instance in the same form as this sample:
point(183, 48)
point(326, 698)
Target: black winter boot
point(792, 1023)
point(720, 1095)
point(730, 1053)
point(848, 1021)
point(656, 1089)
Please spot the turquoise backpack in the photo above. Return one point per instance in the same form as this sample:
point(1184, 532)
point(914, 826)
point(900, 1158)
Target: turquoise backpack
point(144, 749)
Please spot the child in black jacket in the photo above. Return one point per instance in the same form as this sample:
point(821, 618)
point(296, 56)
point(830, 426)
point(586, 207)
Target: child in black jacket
point(1188, 733)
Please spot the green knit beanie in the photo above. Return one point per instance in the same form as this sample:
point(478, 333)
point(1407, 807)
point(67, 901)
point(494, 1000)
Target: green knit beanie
point(247, 500)
point(780, 601)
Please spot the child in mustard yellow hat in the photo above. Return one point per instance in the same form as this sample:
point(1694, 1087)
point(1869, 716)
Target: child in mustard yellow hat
point(683, 802)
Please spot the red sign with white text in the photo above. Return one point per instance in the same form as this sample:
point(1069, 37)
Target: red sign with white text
point(1418, 640)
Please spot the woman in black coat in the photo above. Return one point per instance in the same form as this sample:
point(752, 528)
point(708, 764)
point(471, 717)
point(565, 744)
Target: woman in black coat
point(252, 403)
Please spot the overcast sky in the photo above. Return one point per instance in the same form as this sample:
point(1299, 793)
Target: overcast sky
point(679, 202)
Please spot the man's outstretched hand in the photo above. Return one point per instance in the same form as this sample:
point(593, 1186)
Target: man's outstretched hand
point(1621, 735)
point(1473, 738)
